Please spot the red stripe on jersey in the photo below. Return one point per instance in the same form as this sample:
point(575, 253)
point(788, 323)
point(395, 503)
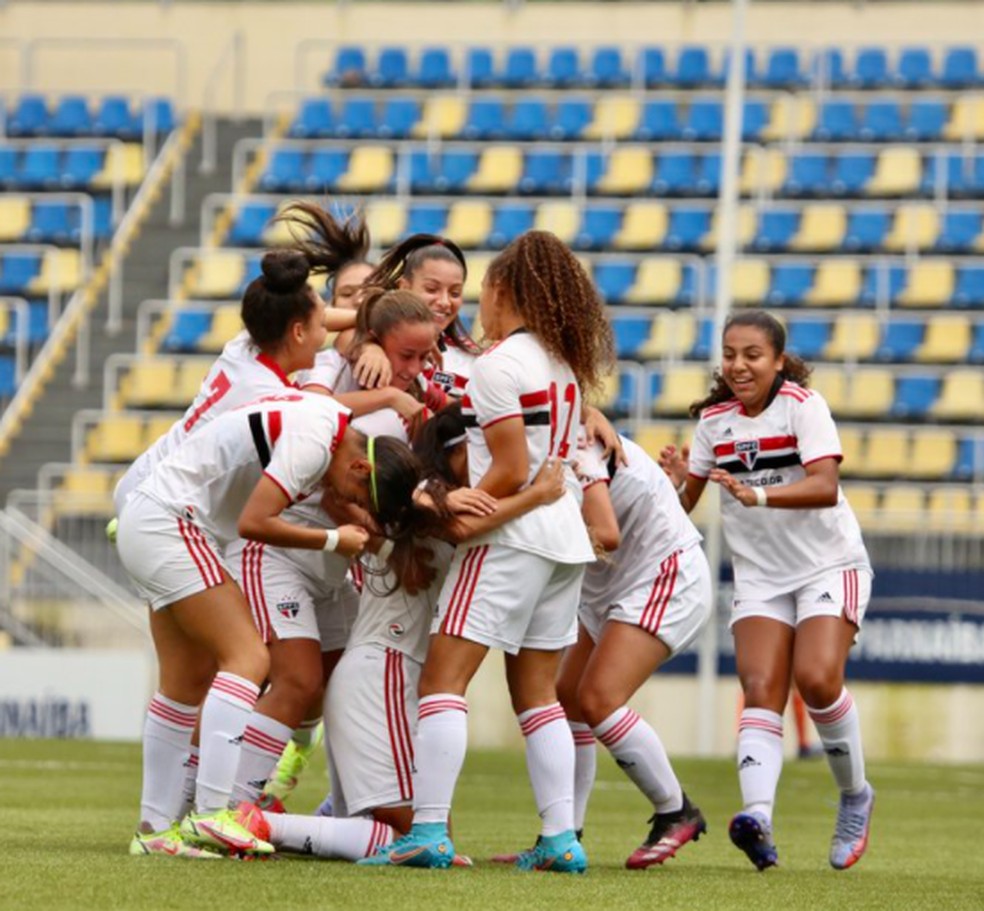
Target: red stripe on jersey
point(200, 558)
point(274, 427)
point(466, 401)
point(796, 391)
point(712, 410)
point(253, 580)
point(505, 417)
point(283, 489)
point(271, 364)
point(343, 420)
point(392, 700)
point(534, 399)
point(834, 455)
point(454, 621)
point(765, 444)
point(652, 616)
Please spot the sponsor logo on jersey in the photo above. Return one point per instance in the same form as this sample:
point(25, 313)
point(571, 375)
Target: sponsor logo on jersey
point(288, 609)
point(747, 452)
point(396, 630)
point(748, 762)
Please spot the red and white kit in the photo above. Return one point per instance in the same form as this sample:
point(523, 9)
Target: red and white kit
point(240, 374)
point(790, 564)
point(519, 585)
point(658, 578)
point(175, 525)
point(453, 374)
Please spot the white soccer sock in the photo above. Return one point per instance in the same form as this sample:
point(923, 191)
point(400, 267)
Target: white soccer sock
point(190, 781)
point(304, 735)
point(550, 763)
point(759, 759)
point(322, 836)
point(839, 728)
point(439, 752)
point(264, 741)
point(639, 752)
point(166, 740)
point(227, 708)
point(585, 768)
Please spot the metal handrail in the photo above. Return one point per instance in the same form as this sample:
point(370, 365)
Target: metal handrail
point(233, 52)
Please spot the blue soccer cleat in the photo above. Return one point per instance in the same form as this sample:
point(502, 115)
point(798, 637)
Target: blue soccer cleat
point(753, 834)
point(555, 854)
point(425, 845)
point(851, 832)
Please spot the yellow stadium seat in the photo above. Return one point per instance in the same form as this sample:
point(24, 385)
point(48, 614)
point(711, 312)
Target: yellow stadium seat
point(822, 227)
point(672, 335)
point(82, 479)
point(443, 116)
point(116, 438)
point(217, 274)
point(370, 170)
point(155, 427)
point(763, 171)
point(792, 117)
point(278, 233)
point(226, 324)
point(469, 222)
point(615, 117)
point(750, 280)
point(124, 163)
point(962, 396)
point(851, 448)
point(656, 437)
point(499, 170)
point(682, 386)
point(832, 384)
point(61, 271)
point(930, 284)
point(886, 455)
point(4, 319)
point(387, 219)
point(934, 453)
point(903, 508)
point(897, 173)
point(149, 383)
point(604, 398)
point(871, 394)
point(746, 224)
point(643, 227)
point(837, 283)
point(915, 227)
point(855, 336)
point(966, 119)
point(559, 217)
point(629, 172)
point(190, 373)
point(863, 500)
point(15, 217)
point(84, 491)
point(951, 509)
point(947, 340)
point(477, 267)
point(657, 281)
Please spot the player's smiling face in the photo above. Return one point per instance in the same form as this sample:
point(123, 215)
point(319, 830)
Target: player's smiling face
point(406, 346)
point(439, 284)
point(749, 365)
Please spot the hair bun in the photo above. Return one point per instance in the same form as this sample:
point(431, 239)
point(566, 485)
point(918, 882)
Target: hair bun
point(285, 271)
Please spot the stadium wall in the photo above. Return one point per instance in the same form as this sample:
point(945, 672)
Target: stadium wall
point(272, 31)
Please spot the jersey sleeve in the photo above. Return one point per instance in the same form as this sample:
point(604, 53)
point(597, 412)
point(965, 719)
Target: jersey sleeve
point(384, 422)
point(701, 452)
point(591, 467)
point(327, 369)
point(299, 462)
point(494, 390)
point(816, 433)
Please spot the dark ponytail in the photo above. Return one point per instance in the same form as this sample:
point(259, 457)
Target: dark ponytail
point(326, 243)
point(278, 297)
point(430, 443)
point(794, 369)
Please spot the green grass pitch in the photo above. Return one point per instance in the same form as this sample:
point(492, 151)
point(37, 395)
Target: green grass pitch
point(68, 807)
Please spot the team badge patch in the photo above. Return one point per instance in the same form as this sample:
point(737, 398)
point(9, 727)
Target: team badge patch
point(288, 609)
point(747, 451)
point(396, 630)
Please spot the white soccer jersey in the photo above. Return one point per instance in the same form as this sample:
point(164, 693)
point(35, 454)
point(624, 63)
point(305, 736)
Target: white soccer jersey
point(652, 522)
point(517, 378)
point(289, 437)
point(400, 621)
point(329, 365)
point(777, 550)
point(453, 374)
point(240, 374)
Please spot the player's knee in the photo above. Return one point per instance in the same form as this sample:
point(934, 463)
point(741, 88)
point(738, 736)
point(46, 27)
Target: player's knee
point(818, 687)
point(595, 703)
point(251, 662)
point(303, 684)
point(762, 691)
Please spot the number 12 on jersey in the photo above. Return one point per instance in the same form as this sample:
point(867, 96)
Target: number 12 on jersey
point(562, 414)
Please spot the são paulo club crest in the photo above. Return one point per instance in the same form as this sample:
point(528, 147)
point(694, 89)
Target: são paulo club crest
point(288, 609)
point(747, 451)
point(396, 630)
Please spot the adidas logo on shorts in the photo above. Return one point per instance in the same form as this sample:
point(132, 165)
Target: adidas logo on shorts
point(825, 598)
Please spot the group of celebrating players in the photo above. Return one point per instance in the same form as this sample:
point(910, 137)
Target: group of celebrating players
point(343, 533)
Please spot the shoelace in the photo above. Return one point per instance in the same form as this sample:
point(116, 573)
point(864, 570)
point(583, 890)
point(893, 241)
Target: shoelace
point(850, 822)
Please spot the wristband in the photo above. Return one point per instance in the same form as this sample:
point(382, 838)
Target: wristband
point(761, 497)
point(331, 539)
point(385, 549)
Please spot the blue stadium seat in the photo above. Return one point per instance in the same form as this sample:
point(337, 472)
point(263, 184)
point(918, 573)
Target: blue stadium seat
point(926, 120)
point(687, 228)
point(607, 70)
point(866, 229)
point(114, 118)
point(675, 174)
point(614, 278)
point(970, 454)
point(827, 68)
point(102, 216)
point(968, 288)
point(652, 66)
point(509, 221)
point(914, 396)
point(599, 225)
point(751, 71)
point(187, 327)
point(398, 118)
point(479, 67)
point(957, 171)
point(789, 285)
point(253, 270)
point(8, 377)
point(808, 175)
point(595, 166)
point(71, 117)
point(686, 293)
point(284, 171)
point(158, 114)
point(247, 229)
point(776, 228)
point(705, 340)
point(80, 165)
point(870, 69)
point(357, 118)
point(563, 67)
point(40, 167)
point(527, 119)
point(29, 118)
point(782, 69)
point(630, 332)
point(959, 231)
point(392, 69)
point(455, 170)
point(709, 174)
point(808, 338)
point(960, 68)
point(54, 223)
point(754, 119)
point(520, 68)
point(659, 121)
point(836, 122)
point(852, 171)
point(17, 271)
point(435, 69)
point(8, 167)
point(571, 116)
point(704, 121)
point(881, 121)
point(976, 353)
point(546, 171)
point(486, 119)
point(350, 67)
point(882, 282)
point(314, 120)
point(693, 67)
point(427, 218)
point(628, 394)
point(423, 171)
point(915, 68)
point(38, 318)
point(324, 168)
point(900, 340)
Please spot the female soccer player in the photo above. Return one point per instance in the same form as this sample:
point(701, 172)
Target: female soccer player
point(802, 575)
point(516, 588)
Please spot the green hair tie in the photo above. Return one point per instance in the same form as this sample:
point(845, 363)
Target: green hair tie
point(371, 452)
